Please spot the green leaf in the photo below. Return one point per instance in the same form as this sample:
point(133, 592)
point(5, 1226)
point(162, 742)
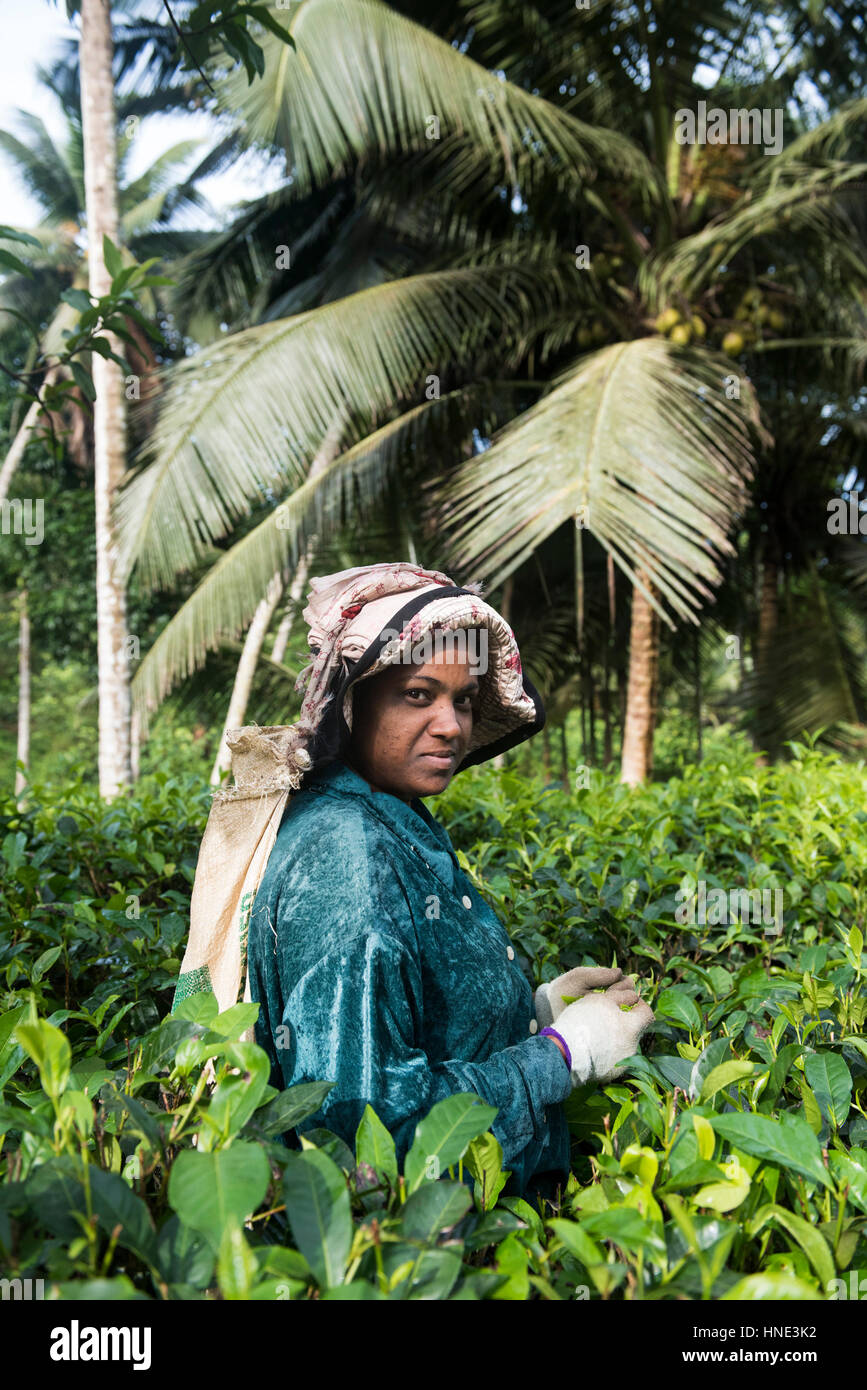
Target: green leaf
point(207, 1190)
point(511, 1260)
point(287, 1110)
point(811, 1241)
point(725, 1075)
point(13, 234)
point(773, 1286)
point(374, 1145)
point(780, 1069)
point(435, 1207)
point(786, 1140)
point(201, 1007)
point(111, 256)
point(116, 1205)
point(44, 963)
point(78, 299)
point(725, 1196)
point(50, 1051)
point(847, 1170)
point(318, 1208)
point(677, 1005)
point(236, 1264)
point(831, 1081)
point(13, 263)
point(234, 1021)
point(236, 1097)
point(484, 1159)
point(577, 1241)
point(442, 1137)
point(812, 1109)
point(11, 1051)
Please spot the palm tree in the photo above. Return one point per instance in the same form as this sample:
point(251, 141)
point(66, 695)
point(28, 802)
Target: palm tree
point(632, 431)
point(148, 205)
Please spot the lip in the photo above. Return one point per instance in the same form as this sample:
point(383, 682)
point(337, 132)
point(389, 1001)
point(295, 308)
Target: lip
point(440, 759)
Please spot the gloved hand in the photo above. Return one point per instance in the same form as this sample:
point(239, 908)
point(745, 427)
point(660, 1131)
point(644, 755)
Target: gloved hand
point(599, 1033)
point(548, 998)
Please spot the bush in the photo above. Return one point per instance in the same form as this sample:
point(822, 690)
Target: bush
point(730, 1161)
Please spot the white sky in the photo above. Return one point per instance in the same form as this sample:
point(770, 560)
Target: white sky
point(30, 31)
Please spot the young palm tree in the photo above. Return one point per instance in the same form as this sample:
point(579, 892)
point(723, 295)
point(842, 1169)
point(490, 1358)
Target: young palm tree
point(553, 243)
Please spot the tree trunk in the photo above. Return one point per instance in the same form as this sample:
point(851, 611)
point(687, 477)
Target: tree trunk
point(607, 750)
point(546, 752)
point(296, 589)
point(23, 753)
point(22, 439)
point(637, 755)
point(109, 420)
point(564, 755)
point(245, 672)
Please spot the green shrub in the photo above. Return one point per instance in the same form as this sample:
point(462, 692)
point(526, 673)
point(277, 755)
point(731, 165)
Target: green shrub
point(729, 1161)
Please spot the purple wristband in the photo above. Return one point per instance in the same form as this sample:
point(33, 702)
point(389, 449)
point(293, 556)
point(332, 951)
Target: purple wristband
point(552, 1033)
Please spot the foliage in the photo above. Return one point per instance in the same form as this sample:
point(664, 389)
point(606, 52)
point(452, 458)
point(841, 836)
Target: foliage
point(729, 1161)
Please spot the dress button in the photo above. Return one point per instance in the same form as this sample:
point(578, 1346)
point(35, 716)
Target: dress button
point(467, 902)
point(510, 952)
point(533, 1025)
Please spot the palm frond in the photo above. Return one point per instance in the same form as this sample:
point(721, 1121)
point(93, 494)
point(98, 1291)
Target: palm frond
point(247, 413)
point(799, 201)
point(640, 442)
point(365, 79)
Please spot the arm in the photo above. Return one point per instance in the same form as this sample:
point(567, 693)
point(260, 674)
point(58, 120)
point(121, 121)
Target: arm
point(355, 1019)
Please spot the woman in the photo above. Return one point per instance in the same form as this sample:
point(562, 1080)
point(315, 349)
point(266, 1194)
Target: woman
point(375, 962)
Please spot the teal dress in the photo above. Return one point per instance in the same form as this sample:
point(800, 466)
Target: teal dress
point(378, 966)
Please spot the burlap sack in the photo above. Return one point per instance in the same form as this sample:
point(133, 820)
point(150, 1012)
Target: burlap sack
point(238, 839)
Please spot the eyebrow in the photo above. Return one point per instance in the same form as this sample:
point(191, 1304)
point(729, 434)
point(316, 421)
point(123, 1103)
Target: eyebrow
point(471, 686)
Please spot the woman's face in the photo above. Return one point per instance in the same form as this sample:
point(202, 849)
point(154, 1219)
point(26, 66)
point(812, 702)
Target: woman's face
point(411, 725)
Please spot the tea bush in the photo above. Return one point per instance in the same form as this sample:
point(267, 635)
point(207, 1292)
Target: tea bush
point(141, 1154)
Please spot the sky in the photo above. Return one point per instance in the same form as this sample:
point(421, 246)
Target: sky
point(30, 31)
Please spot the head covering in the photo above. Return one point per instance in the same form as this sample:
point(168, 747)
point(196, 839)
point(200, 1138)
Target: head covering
point(364, 619)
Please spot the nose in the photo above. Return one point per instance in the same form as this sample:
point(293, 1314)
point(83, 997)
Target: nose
point(444, 720)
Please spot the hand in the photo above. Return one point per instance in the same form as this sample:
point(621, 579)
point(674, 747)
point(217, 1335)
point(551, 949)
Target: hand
point(599, 1033)
point(576, 983)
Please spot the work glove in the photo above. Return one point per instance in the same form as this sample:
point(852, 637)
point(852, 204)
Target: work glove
point(599, 1034)
point(576, 983)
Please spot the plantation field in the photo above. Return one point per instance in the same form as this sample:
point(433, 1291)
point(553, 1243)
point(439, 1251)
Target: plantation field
point(728, 1162)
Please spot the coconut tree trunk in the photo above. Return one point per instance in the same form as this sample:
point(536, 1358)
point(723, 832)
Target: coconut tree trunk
point(245, 672)
point(637, 755)
point(22, 439)
point(23, 752)
point(769, 608)
point(296, 589)
point(109, 419)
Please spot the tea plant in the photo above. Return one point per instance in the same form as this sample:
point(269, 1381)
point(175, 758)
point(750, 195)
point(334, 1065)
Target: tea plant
point(146, 1156)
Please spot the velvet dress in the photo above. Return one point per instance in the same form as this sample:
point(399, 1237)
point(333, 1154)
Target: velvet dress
point(377, 965)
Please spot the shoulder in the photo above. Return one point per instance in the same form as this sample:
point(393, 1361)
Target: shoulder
point(331, 861)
